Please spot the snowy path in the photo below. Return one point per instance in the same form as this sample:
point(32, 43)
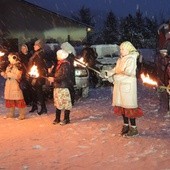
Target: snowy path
point(91, 141)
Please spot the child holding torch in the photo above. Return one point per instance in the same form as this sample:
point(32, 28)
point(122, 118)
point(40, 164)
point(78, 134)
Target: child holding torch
point(62, 82)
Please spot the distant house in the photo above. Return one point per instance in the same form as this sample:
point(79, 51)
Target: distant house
point(23, 22)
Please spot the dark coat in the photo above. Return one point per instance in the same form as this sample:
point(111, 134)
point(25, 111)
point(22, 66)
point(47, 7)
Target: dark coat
point(71, 58)
point(62, 77)
point(24, 58)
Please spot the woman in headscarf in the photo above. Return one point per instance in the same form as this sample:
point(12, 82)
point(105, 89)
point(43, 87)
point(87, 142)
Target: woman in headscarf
point(125, 88)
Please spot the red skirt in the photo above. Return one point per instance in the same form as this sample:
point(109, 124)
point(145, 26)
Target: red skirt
point(15, 103)
point(130, 113)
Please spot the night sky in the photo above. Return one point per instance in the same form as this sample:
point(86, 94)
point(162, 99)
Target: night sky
point(159, 9)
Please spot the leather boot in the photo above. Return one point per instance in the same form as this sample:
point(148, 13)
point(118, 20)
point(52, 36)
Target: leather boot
point(132, 131)
point(125, 129)
point(22, 113)
point(57, 118)
point(66, 118)
point(43, 110)
point(34, 108)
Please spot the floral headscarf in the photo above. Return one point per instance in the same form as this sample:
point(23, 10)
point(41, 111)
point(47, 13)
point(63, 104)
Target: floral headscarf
point(128, 45)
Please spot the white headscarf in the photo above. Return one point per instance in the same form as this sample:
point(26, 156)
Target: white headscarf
point(68, 48)
point(61, 54)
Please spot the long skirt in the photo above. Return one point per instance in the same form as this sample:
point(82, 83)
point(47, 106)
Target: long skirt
point(62, 98)
point(130, 113)
point(15, 103)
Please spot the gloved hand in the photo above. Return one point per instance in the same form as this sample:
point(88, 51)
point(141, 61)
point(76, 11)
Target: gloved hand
point(109, 73)
point(106, 74)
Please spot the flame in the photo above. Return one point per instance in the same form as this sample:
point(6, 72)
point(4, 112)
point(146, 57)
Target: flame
point(2, 53)
point(148, 80)
point(81, 61)
point(34, 71)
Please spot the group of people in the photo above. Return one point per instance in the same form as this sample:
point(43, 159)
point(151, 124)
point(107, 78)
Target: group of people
point(123, 76)
point(60, 73)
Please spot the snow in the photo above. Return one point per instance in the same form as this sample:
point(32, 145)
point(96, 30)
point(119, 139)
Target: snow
point(91, 141)
point(148, 55)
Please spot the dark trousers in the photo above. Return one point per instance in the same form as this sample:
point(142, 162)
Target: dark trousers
point(27, 93)
point(38, 95)
point(126, 120)
point(72, 94)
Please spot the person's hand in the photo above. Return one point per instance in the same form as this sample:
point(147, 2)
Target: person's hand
point(9, 75)
point(2, 73)
point(50, 69)
point(51, 79)
point(27, 76)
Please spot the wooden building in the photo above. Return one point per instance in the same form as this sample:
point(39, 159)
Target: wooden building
point(23, 22)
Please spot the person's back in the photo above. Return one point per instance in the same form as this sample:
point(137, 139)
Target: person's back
point(89, 56)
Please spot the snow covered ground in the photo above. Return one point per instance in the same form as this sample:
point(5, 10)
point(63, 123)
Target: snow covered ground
point(91, 141)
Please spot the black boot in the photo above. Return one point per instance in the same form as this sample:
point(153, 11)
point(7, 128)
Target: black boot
point(66, 118)
point(43, 110)
point(34, 108)
point(57, 118)
point(133, 131)
point(125, 129)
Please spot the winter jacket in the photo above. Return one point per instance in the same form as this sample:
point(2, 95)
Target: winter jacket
point(62, 77)
point(24, 58)
point(125, 82)
point(167, 46)
point(12, 90)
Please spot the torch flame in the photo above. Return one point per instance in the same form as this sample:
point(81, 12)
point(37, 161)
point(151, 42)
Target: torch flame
point(148, 80)
point(34, 71)
point(81, 61)
point(2, 53)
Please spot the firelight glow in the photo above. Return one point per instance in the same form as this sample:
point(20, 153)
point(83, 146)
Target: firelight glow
point(2, 53)
point(81, 60)
point(146, 79)
point(34, 72)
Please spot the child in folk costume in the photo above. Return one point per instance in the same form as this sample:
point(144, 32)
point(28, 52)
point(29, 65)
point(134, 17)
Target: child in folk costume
point(62, 82)
point(125, 88)
point(13, 94)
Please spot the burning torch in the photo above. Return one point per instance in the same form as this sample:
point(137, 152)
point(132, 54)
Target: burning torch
point(80, 61)
point(3, 62)
point(34, 74)
point(147, 80)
